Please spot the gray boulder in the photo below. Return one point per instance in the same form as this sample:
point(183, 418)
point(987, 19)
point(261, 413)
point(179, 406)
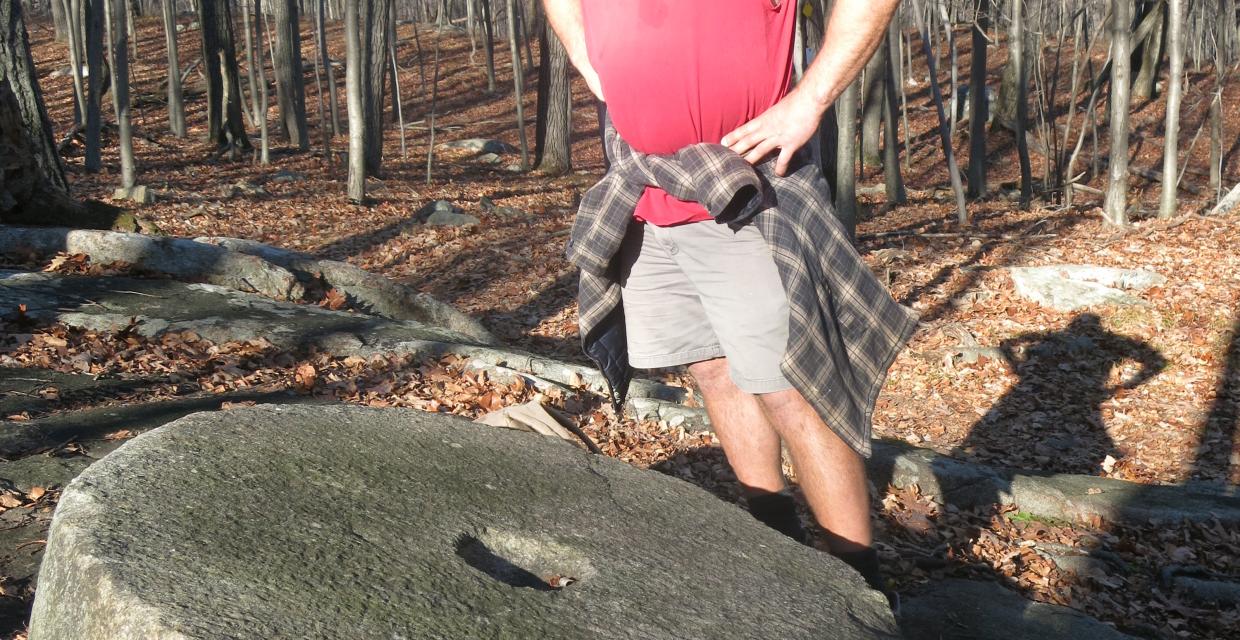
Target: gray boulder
point(986, 611)
point(286, 175)
point(1068, 287)
point(481, 145)
point(347, 522)
point(445, 214)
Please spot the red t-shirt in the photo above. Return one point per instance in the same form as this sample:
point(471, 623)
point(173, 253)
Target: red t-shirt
point(680, 72)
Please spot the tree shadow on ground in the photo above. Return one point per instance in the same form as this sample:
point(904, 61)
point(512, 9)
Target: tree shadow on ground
point(1215, 461)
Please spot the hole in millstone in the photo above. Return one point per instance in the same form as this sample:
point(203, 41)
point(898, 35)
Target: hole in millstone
point(522, 561)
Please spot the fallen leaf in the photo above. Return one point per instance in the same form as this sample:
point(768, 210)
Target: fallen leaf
point(305, 376)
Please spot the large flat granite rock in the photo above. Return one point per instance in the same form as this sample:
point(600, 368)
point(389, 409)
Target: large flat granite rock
point(346, 522)
point(967, 609)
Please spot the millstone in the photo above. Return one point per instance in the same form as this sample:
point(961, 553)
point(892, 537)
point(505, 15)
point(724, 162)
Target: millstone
point(347, 522)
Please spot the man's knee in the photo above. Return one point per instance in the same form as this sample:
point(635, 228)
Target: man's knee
point(711, 375)
point(791, 415)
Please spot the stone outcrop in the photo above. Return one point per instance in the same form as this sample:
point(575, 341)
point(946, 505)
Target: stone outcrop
point(334, 522)
point(1069, 287)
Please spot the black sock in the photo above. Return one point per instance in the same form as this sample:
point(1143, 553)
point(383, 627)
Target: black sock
point(779, 512)
point(866, 563)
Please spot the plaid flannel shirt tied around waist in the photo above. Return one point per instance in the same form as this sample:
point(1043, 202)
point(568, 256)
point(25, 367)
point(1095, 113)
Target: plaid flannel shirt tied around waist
point(844, 328)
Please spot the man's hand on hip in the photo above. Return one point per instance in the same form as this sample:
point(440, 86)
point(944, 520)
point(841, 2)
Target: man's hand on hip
point(854, 31)
point(786, 126)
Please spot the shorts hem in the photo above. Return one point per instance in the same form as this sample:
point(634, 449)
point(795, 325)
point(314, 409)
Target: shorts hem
point(660, 361)
point(760, 385)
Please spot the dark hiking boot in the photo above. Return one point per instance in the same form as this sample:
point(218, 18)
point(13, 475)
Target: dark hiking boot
point(779, 512)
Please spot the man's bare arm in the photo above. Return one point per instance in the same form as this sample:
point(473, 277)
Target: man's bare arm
point(854, 31)
point(565, 17)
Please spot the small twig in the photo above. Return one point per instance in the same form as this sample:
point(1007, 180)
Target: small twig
point(136, 293)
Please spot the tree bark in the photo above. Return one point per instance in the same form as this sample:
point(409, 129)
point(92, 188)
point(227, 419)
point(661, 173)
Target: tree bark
point(554, 130)
point(251, 60)
point(979, 106)
point(354, 87)
point(117, 36)
point(846, 157)
point(872, 107)
point(374, 19)
point(330, 75)
point(1171, 147)
point(93, 17)
point(60, 21)
point(488, 30)
point(33, 182)
point(74, 32)
point(219, 57)
point(891, 138)
point(1150, 52)
point(290, 84)
point(518, 82)
point(1115, 207)
point(953, 169)
point(176, 100)
point(259, 93)
point(1021, 124)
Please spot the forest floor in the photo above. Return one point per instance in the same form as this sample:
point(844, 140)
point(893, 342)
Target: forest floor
point(1075, 412)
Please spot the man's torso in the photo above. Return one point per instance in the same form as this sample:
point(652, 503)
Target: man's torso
point(680, 72)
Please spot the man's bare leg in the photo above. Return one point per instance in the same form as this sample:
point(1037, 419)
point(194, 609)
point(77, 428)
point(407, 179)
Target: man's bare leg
point(831, 475)
point(749, 441)
point(829, 472)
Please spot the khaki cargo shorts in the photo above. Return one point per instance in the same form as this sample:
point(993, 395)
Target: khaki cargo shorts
point(700, 291)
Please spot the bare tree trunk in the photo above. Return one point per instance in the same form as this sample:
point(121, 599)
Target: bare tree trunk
point(94, 17)
point(32, 186)
point(430, 144)
point(1115, 207)
point(261, 102)
point(219, 57)
point(330, 73)
point(32, 165)
point(518, 82)
point(73, 31)
point(354, 83)
point(60, 20)
point(116, 34)
point(953, 169)
point(469, 29)
point(396, 98)
point(1022, 102)
point(846, 157)
point(1151, 52)
point(950, 35)
point(375, 17)
point(1171, 147)
point(979, 106)
point(290, 85)
point(488, 30)
point(891, 137)
point(872, 107)
point(1225, 34)
point(176, 101)
point(250, 58)
point(324, 126)
point(554, 129)
point(130, 9)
